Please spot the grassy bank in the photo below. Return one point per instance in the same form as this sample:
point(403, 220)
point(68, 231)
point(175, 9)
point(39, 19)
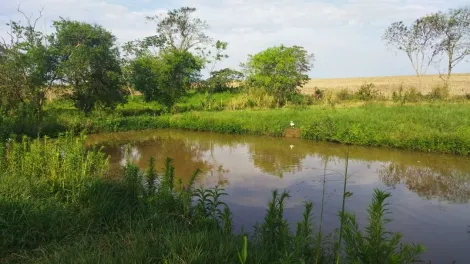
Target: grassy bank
point(60, 204)
point(429, 126)
point(439, 127)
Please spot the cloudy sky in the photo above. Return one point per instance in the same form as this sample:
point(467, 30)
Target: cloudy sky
point(345, 35)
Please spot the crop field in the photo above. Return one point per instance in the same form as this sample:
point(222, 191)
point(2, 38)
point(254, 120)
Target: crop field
point(460, 83)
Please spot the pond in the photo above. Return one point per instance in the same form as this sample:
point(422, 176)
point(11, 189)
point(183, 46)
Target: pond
point(430, 192)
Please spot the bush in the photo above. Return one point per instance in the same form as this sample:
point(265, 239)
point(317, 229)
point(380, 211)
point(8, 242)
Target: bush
point(367, 92)
point(467, 95)
point(440, 92)
point(411, 95)
point(318, 93)
point(345, 94)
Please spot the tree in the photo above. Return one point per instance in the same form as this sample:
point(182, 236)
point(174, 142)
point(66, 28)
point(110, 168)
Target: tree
point(279, 71)
point(418, 41)
point(178, 30)
point(27, 67)
point(89, 64)
point(222, 80)
point(220, 47)
point(453, 30)
point(166, 78)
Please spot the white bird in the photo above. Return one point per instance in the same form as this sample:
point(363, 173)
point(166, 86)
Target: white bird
point(291, 146)
point(292, 123)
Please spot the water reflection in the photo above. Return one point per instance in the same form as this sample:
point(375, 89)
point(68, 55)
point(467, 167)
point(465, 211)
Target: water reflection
point(430, 192)
point(446, 185)
point(444, 177)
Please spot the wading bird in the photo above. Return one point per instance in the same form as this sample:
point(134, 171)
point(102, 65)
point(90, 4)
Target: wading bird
point(291, 123)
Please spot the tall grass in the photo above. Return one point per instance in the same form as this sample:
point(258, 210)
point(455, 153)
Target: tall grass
point(59, 204)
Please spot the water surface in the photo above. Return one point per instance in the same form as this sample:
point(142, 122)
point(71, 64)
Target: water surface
point(430, 192)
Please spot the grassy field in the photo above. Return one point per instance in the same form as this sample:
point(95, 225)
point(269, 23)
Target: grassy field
point(460, 83)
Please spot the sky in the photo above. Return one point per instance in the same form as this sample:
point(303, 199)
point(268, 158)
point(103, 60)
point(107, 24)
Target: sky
point(344, 35)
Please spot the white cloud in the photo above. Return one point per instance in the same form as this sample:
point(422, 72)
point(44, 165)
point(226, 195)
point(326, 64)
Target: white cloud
point(344, 34)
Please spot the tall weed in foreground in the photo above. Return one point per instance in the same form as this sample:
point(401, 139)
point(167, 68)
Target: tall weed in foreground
point(376, 245)
point(63, 167)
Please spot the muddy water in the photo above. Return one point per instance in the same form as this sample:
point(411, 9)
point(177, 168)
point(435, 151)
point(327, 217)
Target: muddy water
point(430, 192)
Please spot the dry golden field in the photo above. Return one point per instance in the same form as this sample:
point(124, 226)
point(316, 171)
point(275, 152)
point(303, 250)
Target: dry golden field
point(460, 83)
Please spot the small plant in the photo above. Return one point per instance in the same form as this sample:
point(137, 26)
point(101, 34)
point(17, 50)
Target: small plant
point(367, 92)
point(209, 207)
point(377, 245)
point(331, 98)
point(399, 95)
point(273, 235)
point(151, 176)
point(467, 95)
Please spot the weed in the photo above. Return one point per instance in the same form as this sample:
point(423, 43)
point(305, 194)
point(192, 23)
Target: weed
point(376, 245)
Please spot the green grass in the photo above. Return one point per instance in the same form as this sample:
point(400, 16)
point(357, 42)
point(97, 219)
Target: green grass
point(60, 204)
point(443, 128)
point(437, 126)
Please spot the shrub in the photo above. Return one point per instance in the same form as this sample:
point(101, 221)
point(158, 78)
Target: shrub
point(413, 95)
point(367, 92)
point(344, 94)
point(318, 93)
point(440, 92)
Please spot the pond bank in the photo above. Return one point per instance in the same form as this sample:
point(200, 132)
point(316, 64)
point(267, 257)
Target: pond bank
point(439, 128)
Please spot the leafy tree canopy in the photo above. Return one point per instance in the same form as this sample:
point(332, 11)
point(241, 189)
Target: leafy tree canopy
point(89, 63)
point(167, 77)
point(279, 70)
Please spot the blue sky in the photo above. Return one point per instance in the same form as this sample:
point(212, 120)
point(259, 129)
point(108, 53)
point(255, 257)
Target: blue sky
point(345, 35)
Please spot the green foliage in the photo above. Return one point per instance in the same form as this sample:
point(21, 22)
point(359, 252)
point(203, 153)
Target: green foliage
point(377, 245)
point(244, 254)
point(279, 71)
point(89, 64)
point(411, 95)
point(27, 68)
point(367, 92)
point(178, 30)
point(166, 78)
point(222, 80)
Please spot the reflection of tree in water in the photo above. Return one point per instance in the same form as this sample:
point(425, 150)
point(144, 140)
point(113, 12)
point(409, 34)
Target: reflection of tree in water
point(276, 157)
point(453, 186)
point(187, 156)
